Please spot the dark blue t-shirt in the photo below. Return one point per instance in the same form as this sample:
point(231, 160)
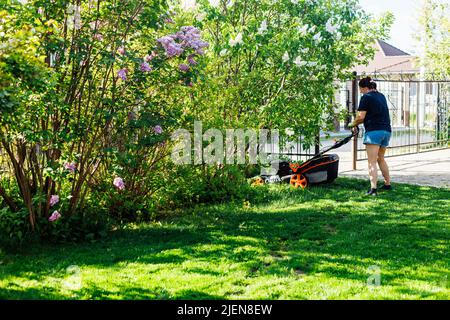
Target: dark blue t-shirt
point(377, 117)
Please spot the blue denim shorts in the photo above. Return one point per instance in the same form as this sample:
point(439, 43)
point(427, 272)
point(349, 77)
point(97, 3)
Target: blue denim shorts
point(380, 138)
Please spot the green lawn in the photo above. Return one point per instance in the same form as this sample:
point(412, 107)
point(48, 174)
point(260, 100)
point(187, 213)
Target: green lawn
point(321, 243)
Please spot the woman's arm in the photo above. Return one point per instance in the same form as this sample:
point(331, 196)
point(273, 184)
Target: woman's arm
point(359, 119)
point(364, 105)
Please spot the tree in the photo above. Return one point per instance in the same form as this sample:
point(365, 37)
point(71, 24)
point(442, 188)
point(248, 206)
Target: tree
point(433, 38)
point(273, 64)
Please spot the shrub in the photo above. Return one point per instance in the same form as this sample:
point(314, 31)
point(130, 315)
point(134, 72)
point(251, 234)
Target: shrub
point(14, 227)
point(206, 184)
point(91, 224)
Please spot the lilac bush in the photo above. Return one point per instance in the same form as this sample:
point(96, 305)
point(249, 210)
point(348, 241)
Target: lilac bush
point(93, 90)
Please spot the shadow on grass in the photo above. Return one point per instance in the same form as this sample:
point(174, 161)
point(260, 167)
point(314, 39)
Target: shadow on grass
point(331, 230)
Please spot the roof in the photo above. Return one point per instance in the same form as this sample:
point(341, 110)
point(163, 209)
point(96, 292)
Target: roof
point(389, 60)
point(389, 50)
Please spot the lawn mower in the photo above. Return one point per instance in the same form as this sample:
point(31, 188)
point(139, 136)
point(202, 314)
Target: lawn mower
point(319, 169)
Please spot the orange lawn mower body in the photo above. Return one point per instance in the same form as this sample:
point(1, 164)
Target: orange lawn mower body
point(320, 169)
point(323, 169)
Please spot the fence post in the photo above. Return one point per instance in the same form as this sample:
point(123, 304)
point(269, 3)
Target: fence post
point(418, 91)
point(438, 113)
point(317, 143)
point(354, 102)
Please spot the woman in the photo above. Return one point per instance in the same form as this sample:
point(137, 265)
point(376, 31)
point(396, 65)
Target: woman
point(373, 111)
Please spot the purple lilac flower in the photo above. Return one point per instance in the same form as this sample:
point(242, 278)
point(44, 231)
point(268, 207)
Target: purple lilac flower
point(168, 20)
point(122, 73)
point(71, 166)
point(198, 45)
point(191, 37)
point(157, 129)
point(188, 37)
point(119, 184)
point(190, 33)
point(191, 60)
point(55, 216)
point(174, 49)
point(200, 51)
point(166, 40)
point(184, 67)
point(145, 67)
point(170, 46)
point(54, 199)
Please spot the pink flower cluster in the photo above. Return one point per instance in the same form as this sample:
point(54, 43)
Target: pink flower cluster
point(150, 57)
point(71, 166)
point(119, 184)
point(55, 216)
point(98, 37)
point(121, 50)
point(54, 199)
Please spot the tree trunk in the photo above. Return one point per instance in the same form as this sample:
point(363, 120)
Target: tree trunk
point(9, 201)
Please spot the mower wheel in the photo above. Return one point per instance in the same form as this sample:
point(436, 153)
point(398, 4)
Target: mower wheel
point(287, 179)
point(299, 181)
point(258, 182)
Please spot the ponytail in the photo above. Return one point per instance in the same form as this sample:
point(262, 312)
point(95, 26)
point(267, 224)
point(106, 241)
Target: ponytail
point(368, 83)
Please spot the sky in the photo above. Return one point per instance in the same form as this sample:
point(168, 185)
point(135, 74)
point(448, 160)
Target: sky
point(405, 12)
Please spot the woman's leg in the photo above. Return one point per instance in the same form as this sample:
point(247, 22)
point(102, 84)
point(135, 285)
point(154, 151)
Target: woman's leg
point(384, 166)
point(372, 154)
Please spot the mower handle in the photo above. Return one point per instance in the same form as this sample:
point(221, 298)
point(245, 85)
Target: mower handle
point(355, 130)
point(339, 144)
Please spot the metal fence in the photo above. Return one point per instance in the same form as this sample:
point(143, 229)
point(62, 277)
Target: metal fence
point(293, 151)
point(419, 113)
point(420, 118)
